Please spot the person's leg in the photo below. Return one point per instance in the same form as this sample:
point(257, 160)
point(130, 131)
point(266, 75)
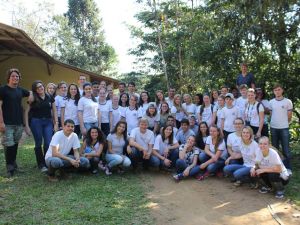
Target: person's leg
point(94, 164)
point(214, 167)
point(230, 169)
point(105, 128)
point(203, 157)
point(194, 171)
point(236, 161)
point(113, 160)
point(265, 130)
point(135, 157)
point(275, 137)
point(173, 156)
point(84, 163)
point(126, 162)
point(285, 140)
point(180, 165)
point(154, 161)
point(77, 131)
point(36, 129)
point(241, 173)
point(47, 135)
point(53, 163)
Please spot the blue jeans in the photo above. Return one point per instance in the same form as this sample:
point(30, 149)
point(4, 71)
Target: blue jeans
point(41, 129)
point(173, 156)
point(137, 156)
point(54, 163)
point(115, 160)
point(282, 136)
point(181, 165)
point(87, 126)
point(213, 167)
point(238, 171)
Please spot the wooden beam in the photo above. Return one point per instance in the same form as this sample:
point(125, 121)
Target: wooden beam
point(48, 68)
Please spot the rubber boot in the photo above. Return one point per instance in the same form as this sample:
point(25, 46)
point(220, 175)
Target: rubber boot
point(39, 157)
point(10, 158)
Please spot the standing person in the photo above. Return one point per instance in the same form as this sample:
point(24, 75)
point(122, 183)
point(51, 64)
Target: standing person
point(11, 118)
point(124, 101)
point(42, 122)
point(214, 97)
point(166, 147)
point(242, 100)
point(186, 165)
point(261, 98)
point(172, 122)
point(184, 132)
point(131, 89)
point(245, 78)
point(224, 90)
point(271, 171)
point(213, 158)
point(104, 108)
point(92, 147)
point(229, 114)
point(59, 99)
point(132, 114)
point(110, 94)
point(122, 88)
point(177, 111)
point(248, 149)
point(114, 113)
point(164, 113)
point(205, 111)
point(144, 102)
point(88, 113)
point(159, 98)
point(198, 100)
point(81, 81)
point(102, 84)
point(234, 143)
point(153, 118)
point(59, 157)
point(95, 88)
point(201, 135)
point(281, 110)
point(117, 149)
point(188, 106)
point(51, 89)
point(217, 111)
point(193, 126)
point(170, 98)
point(254, 114)
point(141, 141)
point(69, 108)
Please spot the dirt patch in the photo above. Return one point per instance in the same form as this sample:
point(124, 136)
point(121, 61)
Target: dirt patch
point(212, 201)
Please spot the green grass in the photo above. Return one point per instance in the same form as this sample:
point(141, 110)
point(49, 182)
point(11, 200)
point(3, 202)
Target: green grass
point(29, 198)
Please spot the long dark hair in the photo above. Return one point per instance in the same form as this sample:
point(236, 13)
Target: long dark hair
point(101, 137)
point(199, 137)
point(200, 96)
point(141, 101)
point(168, 111)
point(120, 101)
point(148, 110)
point(77, 96)
point(36, 98)
point(219, 138)
point(92, 96)
point(163, 137)
point(157, 101)
point(125, 131)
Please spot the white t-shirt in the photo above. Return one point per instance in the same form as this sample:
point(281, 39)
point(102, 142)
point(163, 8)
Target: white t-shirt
point(144, 108)
point(89, 109)
point(169, 101)
point(58, 102)
point(251, 113)
point(190, 109)
point(207, 114)
point(63, 143)
point(152, 120)
point(143, 139)
point(160, 145)
point(179, 115)
point(116, 115)
point(272, 159)
point(229, 115)
point(71, 110)
point(221, 147)
point(241, 104)
point(132, 117)
point(117, 143)
point(234, 142)
point(249, 153)
point(280, 108)
point(219, 115)
point(104, 109)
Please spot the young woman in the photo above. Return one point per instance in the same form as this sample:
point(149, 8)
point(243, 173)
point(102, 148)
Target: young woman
point(144, 101)
point(198, 99)
point(69, 108)
point(214, 97)
point(59, 99)
point(213, 158)
point(42, 122)
point(114, 112)
point(159, 98)
point(186, 165)
point(270, 169)
point(104, 107)
point(93, 146)
point(234, 143)
point(132, 114)
point(261, 98)
point(88, 113)
point(188, 106)
point(166, 147)
point(51, 89)
point(217, 111)
point(123, 101)
point(205, 111)
point(254, 113)
point(164, 113)
point(177, 110)
point(202, 135)
point(117, 145)
point(153, 118)
point(248, 150)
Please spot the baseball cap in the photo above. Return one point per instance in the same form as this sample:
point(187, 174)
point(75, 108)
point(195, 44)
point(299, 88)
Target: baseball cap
point(229, 95)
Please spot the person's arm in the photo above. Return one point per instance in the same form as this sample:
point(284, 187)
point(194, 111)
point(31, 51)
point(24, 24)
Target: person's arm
point(207, 151)
point(182, 153)
point(99, 119)
point(26, 119)
point(109, 148)
point(82, 148)
point(156, 127)
point(186, 172)
point(222, 126)
point(80, 118)
point(97, 152)
point(271, 169)
point(62, 115)
point(214, 117)
point(213, 159)
point(55, 118)
point(110, 121)
point(133, 143)
point(2, 124)
point(261, 123)
point(76, 154)
point(290, 114)
point(56, 153)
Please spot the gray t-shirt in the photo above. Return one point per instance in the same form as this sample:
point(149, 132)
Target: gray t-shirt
point(117, 143)
point(182, 137)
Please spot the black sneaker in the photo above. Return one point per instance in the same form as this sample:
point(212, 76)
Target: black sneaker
point(264, 190)
point(279, 194)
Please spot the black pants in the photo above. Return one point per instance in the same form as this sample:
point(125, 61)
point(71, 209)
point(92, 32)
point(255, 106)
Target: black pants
point(105, 128)
point(269, 178)
point(226, 133)
point(10, 153)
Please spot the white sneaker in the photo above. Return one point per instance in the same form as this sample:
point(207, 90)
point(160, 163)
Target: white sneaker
point(289, 172)
point(44, 169)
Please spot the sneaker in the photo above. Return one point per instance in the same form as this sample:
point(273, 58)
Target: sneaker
point(289, 172)
point(120, 170)
point(101, 166)
point(237, 183)
point(44, 169)
point(279, 194)
point(52, 179)
point(95, 171)
point(176, 177)
point(253, 185)
point(264, 190)
point(220, 174)
point(107, 171)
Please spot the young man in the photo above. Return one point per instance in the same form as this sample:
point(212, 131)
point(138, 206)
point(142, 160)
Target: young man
point(245, 78)
point(81, 82)
point(131, 89)
point(121, 87)
point(242, 100)
point(141, 141)
point(224, 90)
point(229, 114)
point(193, 126)
point(11, 117)
point(184, 132)
point(96, 88)
point(281, 110)
point(58, 155)
point(170, 98)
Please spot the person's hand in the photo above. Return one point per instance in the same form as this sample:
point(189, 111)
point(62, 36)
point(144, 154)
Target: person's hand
point(227, 161)
point(202, 166)
point(166, 152)
point(258, 134)
point(27, 131)
point(75, 163)
point(259, 171)
point(214, 158)
point(87, 155)
point(146, 154)
point(2, 127)
point(252, 172)
point(55, 127)
point(83, 131)
point(167, 162)
point(129, 150)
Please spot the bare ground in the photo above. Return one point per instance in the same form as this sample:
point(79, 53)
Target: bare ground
point(213, 201)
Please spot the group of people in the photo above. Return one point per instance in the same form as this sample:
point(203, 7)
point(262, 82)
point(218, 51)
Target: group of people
point(218, 133)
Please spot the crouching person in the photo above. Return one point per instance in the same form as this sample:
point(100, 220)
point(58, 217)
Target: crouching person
point(58, 155)
point(271, 171)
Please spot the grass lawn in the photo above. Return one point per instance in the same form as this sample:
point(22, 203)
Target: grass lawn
point(29, 198)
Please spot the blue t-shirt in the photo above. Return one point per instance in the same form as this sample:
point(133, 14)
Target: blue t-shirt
point(248, 79)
